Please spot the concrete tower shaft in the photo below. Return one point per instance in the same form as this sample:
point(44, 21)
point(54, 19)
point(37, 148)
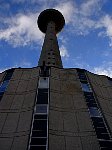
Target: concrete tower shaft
point(50, 22)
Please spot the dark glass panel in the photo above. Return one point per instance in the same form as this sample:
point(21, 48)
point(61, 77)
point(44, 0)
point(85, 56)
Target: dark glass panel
point(37, 147)
point(8, 74)
point(40, 116)
point(106, 144)
point(39, 133)
point(101, 129)
point(91, 104)
point(42, 97)
point(40, 125)
point(38, 141)
point(102, 135)
point(89, 96)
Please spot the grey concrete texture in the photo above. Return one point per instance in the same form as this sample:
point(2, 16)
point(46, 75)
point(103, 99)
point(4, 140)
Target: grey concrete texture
point(70, 126)
point(16, 109)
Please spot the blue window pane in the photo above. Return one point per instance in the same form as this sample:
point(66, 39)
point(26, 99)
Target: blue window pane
point(94, 112)
point(4, 86)
point(41, 109)
point(85, 87)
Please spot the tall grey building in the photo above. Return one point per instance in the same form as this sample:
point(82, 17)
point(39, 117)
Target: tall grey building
point(54, 108)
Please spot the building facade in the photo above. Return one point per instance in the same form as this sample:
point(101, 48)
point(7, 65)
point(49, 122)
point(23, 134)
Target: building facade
point(54, 108)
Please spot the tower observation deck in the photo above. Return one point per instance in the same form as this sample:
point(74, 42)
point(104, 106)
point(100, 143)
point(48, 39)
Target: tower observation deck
point(50, 22)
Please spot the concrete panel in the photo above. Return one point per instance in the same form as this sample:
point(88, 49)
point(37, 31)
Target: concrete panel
point(84, 121)
point(73, 143)
point(70, 122)
point(63, 74)
point(5, 143)
point(56, 142)
point(109, 120)
point(25, 121)
point(90, 143)
point(17, 102)
point(61, 100)
point(70, 87)
point(17, 74)
point(12, 86)
point(97, 90)
point(55, 120)
point(26, 74)
point(79, 101)
point(109, 90)
point(11, 123)
point(2, 120)
point(20, 143)
point(6, 101)
point(32, 84)
point(68, 74)
point(22, 86)
point(29, 100)
point(34, 72)
point(55, 73)
point(54, 84)
point(98, 79)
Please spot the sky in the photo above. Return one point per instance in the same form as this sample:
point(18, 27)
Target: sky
point(85, 41)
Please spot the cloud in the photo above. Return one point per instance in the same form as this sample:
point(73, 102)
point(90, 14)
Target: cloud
point(23, 63)
point(3, 69)
point(21, 30)
point(90, 7)
point(67, 9)
point(105, 69)
point(105, 23)
point(64, 51)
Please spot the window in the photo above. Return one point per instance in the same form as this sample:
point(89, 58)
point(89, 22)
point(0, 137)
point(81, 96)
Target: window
point(40, 125)
point(40, 116)
point(41, 109)
point(94, 112)
point(105, 144)
point(91, 104)
point(38, 141)
point(43, 83)
point(85, 87)
point(82, 76)
point(110, 80)
point(9, 74)
point(42, 97)
point(89, 96)
point(4, 86)
point(39, 133)
point(1, 95)
point(38, 148)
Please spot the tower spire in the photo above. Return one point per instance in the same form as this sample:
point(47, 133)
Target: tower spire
point(50, 22)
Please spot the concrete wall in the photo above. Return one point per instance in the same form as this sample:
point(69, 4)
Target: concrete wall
point(70, 126)
point(16, 109)
point(103, 89)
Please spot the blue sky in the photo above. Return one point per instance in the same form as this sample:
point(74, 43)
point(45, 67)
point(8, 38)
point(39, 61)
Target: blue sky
point(85, 41)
